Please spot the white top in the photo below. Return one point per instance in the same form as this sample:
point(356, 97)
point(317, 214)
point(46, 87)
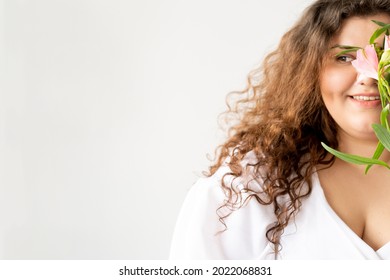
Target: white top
point(317, 233)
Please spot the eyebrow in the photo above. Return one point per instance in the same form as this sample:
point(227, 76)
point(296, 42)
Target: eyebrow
point(344, 47)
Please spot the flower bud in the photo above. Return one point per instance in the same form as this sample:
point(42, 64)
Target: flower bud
point(385, 58)
point(387, 43)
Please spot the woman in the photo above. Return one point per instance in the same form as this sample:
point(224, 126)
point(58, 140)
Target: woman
point(274, 192)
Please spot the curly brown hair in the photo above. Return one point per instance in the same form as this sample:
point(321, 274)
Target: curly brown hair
point(281, 118)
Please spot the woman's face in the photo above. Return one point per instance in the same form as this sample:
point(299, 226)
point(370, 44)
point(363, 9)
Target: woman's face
point(344, 92)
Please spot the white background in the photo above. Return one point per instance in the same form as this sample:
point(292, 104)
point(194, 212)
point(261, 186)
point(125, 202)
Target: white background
point(107, 111)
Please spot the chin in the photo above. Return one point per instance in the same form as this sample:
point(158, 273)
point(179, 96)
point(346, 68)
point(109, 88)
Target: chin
point(367, 136)
point(358, 132)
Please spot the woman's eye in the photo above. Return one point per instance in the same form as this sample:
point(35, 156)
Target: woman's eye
point(345, 58)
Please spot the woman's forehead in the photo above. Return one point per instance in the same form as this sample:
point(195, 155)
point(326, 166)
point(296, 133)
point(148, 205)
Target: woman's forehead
point(357, 30)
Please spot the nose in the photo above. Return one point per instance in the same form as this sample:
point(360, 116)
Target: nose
point(364, 80)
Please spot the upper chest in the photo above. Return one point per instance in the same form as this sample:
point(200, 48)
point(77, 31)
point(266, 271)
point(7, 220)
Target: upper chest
point(361, 201)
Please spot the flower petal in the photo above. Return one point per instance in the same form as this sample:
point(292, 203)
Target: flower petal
point(366, 62)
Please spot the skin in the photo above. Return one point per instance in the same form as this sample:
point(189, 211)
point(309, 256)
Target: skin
point(361, 201)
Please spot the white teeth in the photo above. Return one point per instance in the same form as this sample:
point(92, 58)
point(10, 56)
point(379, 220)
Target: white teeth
point(366, 98)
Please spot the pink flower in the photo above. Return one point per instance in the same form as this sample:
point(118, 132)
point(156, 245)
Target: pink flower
point(366, 62)
point(387, 43)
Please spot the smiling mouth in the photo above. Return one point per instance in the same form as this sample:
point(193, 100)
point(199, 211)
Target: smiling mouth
point(366, 98)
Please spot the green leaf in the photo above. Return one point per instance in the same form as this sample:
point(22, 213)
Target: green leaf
point(348, 50)
point(378, 33)
point(383, 116)
point(378, 22)
point(379, 150)
point(354, 158)
point(383, 135)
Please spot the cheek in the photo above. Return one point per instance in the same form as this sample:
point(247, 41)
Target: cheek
point(335, 82)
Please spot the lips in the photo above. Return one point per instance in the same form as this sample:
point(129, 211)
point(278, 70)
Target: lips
point(366, 100)
point(366, 96)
